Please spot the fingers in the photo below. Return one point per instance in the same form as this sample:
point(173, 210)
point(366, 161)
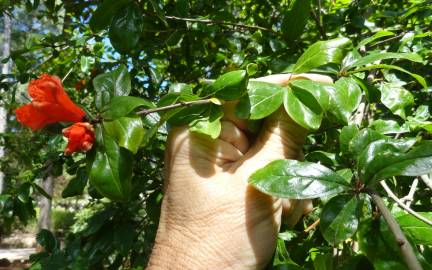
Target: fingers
point(293, 210)
point(283, 79)
point(232, 134)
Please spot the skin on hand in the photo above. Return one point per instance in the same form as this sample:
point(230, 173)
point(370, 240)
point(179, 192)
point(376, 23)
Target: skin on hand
point(211, 218)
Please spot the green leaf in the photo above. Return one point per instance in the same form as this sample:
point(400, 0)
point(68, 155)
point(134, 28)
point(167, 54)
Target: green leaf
point(419, 78)
point(77, 184)
point(111, 84)
point(345, 99)
point(322, 53)
point(111, 170)
point(417, 161)
point(388, 127)
point(363, 138)
point(159, 11)
point(123, 105)
point(47, 240)
point(396, 98)
point(231, 85)
point(377, 56)
point(297, 180)
point(295, 20)
point(263, 99)
point(346, 135)
point(415, 229)
point(104, 13)
point(340, 218)
point(209, 122)
point(377, 35)
point(325, 158)
point(303, 108)
point(127, 131)
point(319, 90)
point(372, 93)
point(124, 237)
point(185, 115)
point(125, 29)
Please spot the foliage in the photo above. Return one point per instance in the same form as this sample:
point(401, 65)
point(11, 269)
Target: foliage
point(123, 61)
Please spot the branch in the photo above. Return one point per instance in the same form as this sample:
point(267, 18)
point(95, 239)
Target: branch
point(428, 182)
point(405, 247)
point(402, 205)
point(312, 226)
point(175, 106)
point(409, 198)
point(388, 39)
point(319, 25)
point(208, 21)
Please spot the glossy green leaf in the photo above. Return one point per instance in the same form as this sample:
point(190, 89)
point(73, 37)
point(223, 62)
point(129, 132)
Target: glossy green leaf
point(209, 122)
point(318, 89)
point(419, 78)
point(325, 158)
point(417, 230)
point(182, 88)
point(125, 29)
point(231, 85)
point(303, 108)
point(388, 127)
point(377, 56)
point(383, 254)
point(77, 184)
point(345, 99)
point(417, 161)
point(295, 20)
point(377, 35)
point(372, 93)
point(127, 131)
point(346, 135)
point(322, 53)
point(263, 99)
point(111, 170)
point(396, 99)
point(104, 13)
point(111, 84)
point(340, 218)
point(297, 180)
point(362, 139)
point(124, 105)
point(185, 115)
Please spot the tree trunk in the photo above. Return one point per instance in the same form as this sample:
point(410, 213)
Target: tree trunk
point(44, 221)
point(5, 70)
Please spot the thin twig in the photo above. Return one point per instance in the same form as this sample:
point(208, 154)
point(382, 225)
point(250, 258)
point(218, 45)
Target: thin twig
point(402, 205)
point(319, 25)
point(405, 247)
point(67, 74)
point(208, 21)
point(428, 182)
point(409, 198)
point(312, 226)
point(175, 106)
point(388, 39)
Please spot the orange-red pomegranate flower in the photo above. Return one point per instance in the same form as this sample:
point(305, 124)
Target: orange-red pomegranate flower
point(81, 137)
point(50, 104)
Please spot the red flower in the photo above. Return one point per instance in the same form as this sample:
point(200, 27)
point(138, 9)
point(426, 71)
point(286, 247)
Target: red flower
point(50, 104)
point(81, 137)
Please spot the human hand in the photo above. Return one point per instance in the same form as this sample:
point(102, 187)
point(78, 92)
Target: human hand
point(211, 218)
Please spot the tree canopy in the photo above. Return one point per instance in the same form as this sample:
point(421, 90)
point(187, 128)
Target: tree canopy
point(132, 69)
